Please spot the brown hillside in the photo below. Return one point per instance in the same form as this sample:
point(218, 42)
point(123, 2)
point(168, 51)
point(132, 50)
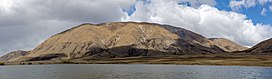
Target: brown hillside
point(264, 47)
point(122, 39)
point(227, 45)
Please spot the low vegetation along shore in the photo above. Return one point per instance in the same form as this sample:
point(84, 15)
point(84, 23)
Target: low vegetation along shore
point(226, 60)
point(2, 63)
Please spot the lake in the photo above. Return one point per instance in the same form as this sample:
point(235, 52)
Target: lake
point(132, 71)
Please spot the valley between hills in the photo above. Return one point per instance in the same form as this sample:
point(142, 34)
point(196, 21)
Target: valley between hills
point(139, 43)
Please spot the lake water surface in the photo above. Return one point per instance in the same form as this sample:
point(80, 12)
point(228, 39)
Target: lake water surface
point(126, 71)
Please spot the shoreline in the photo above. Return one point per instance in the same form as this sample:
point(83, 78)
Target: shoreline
point(143, 64)
point(210, 60)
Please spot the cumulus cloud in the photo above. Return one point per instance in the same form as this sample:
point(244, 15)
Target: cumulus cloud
point(205, 20)
point(26, 23)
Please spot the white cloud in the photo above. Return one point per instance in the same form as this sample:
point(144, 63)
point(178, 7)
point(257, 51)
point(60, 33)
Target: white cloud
point(250, 3)
point(263, 12)
point(236, 5)
point(26, 23)
point(205, 20)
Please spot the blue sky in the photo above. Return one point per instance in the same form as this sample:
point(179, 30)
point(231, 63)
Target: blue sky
point(253, 13)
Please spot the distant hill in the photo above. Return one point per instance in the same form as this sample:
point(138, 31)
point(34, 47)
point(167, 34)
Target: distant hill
point(126, 39)
point(227, 45)
point(264, 47)
point(13, 55)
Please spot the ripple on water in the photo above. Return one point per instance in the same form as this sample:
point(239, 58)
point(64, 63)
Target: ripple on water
point(119, 71)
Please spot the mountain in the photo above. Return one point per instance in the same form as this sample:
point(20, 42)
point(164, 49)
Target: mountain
point(13, 55)
point(264, 47)
point(125, 39)
point(227, 45)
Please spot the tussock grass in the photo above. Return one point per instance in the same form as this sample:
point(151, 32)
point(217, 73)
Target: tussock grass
point(2, 63)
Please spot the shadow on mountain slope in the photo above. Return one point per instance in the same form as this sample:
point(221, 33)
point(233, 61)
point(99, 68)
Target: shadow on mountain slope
point(181, 47)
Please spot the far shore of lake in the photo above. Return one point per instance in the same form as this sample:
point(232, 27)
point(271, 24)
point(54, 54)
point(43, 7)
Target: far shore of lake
point(220, 60)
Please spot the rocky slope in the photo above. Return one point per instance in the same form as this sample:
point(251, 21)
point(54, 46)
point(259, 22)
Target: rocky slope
point(13, 55)
point(123, 39)
point(264, 47)
point(227, 45)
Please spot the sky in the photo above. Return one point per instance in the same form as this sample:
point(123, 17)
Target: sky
point(24, 24)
